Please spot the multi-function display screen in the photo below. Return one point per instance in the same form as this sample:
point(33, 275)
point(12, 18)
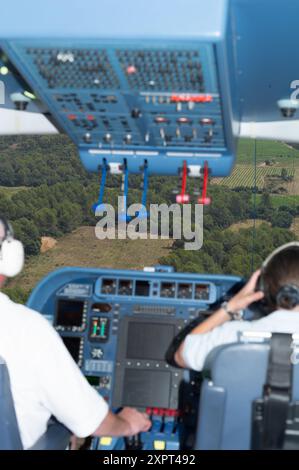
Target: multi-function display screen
point(144, 388)
point(69, 313)
point(142, 376)
point(73, 346)
point(149, 340)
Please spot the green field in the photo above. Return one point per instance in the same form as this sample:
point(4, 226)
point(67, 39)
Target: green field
point(283, 154)
point(244, 175)
point(280, 155)
point(278, 200)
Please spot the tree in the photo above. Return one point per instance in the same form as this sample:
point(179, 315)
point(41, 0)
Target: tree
point(27, 232)
point(284, 174)
point(46, 220)
point(282, 219)
point(69, 216)
point(265, 208)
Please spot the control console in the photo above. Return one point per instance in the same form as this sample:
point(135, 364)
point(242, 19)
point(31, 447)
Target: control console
point(121, 327)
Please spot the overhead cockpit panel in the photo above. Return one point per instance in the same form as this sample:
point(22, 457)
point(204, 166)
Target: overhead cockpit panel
point(163, 82)
point(163, 98)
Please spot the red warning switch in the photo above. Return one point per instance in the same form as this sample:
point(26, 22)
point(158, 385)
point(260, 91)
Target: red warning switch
point(131, 69)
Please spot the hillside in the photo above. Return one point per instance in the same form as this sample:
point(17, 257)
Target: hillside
point(81, 248)
point(48, 196)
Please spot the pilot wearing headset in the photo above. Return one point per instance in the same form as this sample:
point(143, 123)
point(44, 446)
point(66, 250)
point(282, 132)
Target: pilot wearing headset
point(44, 378)
point(275, 286)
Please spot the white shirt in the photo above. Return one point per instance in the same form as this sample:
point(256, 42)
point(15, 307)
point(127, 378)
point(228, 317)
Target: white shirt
point(197, 346)
point(44, 378)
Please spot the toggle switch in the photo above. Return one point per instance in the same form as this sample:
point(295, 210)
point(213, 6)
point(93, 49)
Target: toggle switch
point(208, 137)
point(108, 138)
point(87, 138)
point(128, 139)
point(136, 113)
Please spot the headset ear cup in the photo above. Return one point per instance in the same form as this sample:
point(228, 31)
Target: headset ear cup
point(261, 307)
point(12, 258)
point(288, 296)
point(260, 283)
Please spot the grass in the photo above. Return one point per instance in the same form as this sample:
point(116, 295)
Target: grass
point(278, 200)
point(82, 248)
point(267, 149)
point(295, 226)
point(245, 224)
point(281, 154)
point(244, 176)
point(10, 191)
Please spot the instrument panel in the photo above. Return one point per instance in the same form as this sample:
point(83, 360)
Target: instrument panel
point(117, 99)
point(119, 325)
point(159, 101)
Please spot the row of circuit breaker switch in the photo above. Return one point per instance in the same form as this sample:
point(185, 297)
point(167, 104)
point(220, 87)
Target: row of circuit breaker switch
point(176, 138)
point(90, 121)
point(162, 131)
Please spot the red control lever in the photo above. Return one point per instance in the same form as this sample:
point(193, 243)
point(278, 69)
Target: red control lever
point(183, 198)
point(204, 199)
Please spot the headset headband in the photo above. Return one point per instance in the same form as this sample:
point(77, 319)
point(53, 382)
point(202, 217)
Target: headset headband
point(8, 230)
point(278, 250)
point(288, 293)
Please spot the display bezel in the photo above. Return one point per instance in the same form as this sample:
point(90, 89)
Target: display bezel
point(68, 326)
point(124, 364)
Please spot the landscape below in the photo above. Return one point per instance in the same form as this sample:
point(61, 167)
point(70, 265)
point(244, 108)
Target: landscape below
point(47, 195)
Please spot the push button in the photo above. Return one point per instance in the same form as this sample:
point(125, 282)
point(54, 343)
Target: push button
point(159, 445)
point(106, 441)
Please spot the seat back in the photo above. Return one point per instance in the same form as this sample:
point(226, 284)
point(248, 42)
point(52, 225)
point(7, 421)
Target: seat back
point(9, 430)
point(238, 373)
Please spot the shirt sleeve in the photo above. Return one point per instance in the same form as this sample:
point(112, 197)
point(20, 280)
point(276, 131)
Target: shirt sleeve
point(65, 391)
point(197, 346)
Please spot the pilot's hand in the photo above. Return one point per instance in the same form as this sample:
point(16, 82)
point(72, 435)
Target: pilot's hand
point(138, 422)
point(76, 442)
point(247, 295)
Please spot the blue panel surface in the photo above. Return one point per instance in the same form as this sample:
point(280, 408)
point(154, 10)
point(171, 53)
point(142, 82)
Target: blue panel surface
point(113, 18)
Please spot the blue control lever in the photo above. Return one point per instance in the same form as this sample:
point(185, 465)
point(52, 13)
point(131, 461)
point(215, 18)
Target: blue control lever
point(142, 214)
point(123, 216)
point(99, 204)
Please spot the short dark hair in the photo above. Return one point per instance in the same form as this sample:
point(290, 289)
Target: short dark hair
point(282, 269)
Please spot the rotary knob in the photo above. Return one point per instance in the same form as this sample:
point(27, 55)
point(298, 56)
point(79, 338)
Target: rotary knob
point(136, 113)
point(97, 353)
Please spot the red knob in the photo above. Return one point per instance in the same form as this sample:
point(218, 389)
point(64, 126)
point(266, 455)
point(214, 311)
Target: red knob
point(182, 198)
point(206, 201)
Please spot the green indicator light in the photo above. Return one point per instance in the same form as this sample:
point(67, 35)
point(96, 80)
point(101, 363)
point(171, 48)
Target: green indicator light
point(4, 70)
point(103, 329)
point(94, 329)
point(29, 95)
